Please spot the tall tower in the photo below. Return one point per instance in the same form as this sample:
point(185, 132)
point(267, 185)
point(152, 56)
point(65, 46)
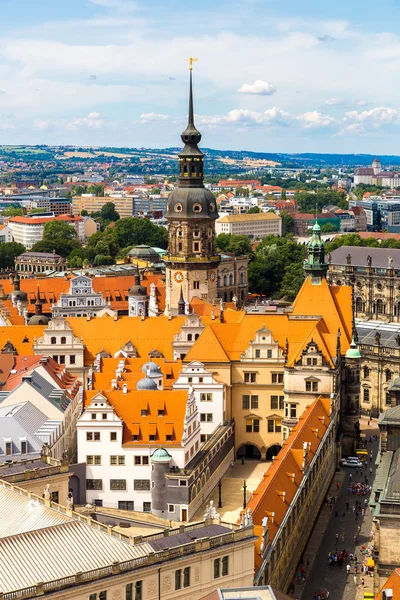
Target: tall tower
point(315, 265)
point(191, 262)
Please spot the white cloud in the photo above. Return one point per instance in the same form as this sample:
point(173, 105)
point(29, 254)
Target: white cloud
point(361, 102)
point(271, 117)
point(93, 120)
point(333, 102)
point(375, 117)
point(315, 119)
point(150, 117)
point(259, 87)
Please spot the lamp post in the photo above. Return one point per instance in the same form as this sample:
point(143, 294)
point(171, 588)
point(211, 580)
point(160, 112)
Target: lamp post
point(220, 493)
point(244, 494)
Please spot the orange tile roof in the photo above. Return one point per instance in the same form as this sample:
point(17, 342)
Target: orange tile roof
point(392, 583)
point(68, 218)
point(24, 365)
point(285, 473)
point(21, 336)
point(30, 220)
point(129, 406)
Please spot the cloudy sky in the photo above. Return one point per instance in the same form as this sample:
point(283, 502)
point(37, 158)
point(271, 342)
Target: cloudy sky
point(273, 75)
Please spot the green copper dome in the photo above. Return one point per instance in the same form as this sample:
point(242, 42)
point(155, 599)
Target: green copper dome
point(161, 455)
point(353, 352)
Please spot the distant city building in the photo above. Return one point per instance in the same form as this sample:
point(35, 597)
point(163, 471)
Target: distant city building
point(124, 205)
point(36, 263)
point(81, 301)
point(255, 226)
point(60, 206)
point(28, 230)
point(5, 234)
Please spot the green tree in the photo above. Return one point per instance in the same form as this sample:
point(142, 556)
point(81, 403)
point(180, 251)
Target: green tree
point(8, 252)
point(254, 210)
point(133, 231)
point(58, 229)
point(97, 189)
point(287, 223)
point(13, 211)
point(292, 281)
point(108, 212)
point(233, 244)
point(307, 202)
point(84, 213)
point(327, 228)
point(36, 211)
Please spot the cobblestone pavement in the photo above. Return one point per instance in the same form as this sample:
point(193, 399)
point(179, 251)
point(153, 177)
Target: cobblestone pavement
point(334, 578)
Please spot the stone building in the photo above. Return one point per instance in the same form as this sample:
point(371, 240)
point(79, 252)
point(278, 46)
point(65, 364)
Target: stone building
point(174, 564)
point(33, 264)
point(374, 274)
point(81, 300)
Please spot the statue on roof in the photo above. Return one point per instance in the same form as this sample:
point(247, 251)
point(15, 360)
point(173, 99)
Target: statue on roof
point(390, 262)
point(348, 259)
point(369, 260)
point(46, 492)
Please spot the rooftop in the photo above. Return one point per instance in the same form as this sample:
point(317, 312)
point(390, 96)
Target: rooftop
point(249, 218)
point(380, 256)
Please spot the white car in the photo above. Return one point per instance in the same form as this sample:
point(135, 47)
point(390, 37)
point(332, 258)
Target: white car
point(350, 462)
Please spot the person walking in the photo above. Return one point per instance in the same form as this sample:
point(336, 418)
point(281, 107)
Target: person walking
point(362, 581)
point(348, 569)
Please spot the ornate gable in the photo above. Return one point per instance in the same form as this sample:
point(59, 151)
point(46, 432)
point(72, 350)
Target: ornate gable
point(263, 347)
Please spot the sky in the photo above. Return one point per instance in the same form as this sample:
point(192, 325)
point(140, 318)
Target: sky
point(272, 75)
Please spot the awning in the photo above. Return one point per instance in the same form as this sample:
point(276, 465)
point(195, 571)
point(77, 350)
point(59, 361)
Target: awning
point(370, 562)
point(135, 428)
point(152, 428)
point(169, 429)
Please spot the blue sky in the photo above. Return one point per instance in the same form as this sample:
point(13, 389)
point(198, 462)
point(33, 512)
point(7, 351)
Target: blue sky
point(273, 75)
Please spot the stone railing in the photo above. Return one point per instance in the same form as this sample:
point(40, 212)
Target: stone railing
point(236, 534)
point(54, 467)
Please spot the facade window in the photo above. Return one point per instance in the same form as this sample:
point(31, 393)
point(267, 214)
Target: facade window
point(258, 354)
point(274, 426)
point(249, 401)
point(55, 497)
point(117, 484)
point(277, 402)
point(53, 340)
point(366, 393)
point(245, 402)
point(277, 377)
point(388, 375)
point(93, 416)
point(62, 359)
point(388, 401)
point(129, 591)
point(8, 448)
point(186, 577)
point(171, 508)
point(367, 372)
point(269, 353)
point(225, 566)
point(147, 507)
point(24, 447)
point(252, 425)
point(250, 377)
point(117, 460)
point(311, 386)
point(217, 568)
point(196, 284)
point(94, 484)
point(291, 411)
point(206, 397)
point(178, 579)
point(143, 412)
point(139, 590)
point(63, 340)
point(206, 417)
point(103, 596)
point(72, 359)
point(126, 505)
point(141, 484)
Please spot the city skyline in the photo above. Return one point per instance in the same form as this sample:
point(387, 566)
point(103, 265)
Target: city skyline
point(271, 77)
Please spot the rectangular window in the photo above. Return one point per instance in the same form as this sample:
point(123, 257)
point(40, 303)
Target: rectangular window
point(93, 597)
point(141, 484)
point(113, 436)
point(186, 577)
point(113, 460)
point(117, 484)
point(258, 353)
point(138, 460)
point(24, 447)
point(98, 502)
point(96, 436)
point(270, 426)
point(278, 427)
point(206, 417)
point(129, 591)
point(196, 284)
point(8, 448)
point(217, 568)
point(138, 590)
point(93, 416)
point(254, 401)
point(274, 402)
point(89, 436)
point(126, 505)
point(281, 402)
point(54, 497)
point(97, 460)
point(178, 579)
point(206, 397)
point(269, 353)
point(89, 460)
point(293, 411)
point(94, 484)
point(250, 377)
point(245, 402)
point(366, 395)
point(147, 507)
point(72, 359)
point(145, 460)
point(143, 412)
point(104, 416)
point(121, 460)
point(225, 566)
point(62, 359)
point(171, 508)
point(103, 596)
point(252, 425)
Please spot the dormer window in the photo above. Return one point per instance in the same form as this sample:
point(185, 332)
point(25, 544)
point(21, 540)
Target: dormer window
point(143, 412)
point(24, 447)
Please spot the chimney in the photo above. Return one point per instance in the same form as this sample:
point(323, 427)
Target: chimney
point(114, 384)
point(387, 594)
point(125, 388)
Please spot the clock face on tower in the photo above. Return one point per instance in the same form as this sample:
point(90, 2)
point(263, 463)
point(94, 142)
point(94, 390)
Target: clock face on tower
point(178, 276)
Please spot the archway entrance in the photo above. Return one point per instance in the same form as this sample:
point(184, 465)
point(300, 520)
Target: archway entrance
point(273, 451)
point(249, 451)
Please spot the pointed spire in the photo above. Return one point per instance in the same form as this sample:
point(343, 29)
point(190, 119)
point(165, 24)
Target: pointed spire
point(191, 114)
point(137, 275)
point(38, 303)
point(191, 136)
point(181, 304)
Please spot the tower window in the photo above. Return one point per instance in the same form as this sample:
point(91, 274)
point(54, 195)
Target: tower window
point(180, 246)
point(196, 246)
point(197, 208)
point(196, 285)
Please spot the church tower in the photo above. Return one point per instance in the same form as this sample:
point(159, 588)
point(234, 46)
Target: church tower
point(315, 266)
point(191, 262)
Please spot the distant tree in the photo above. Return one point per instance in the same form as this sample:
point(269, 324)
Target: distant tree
point(13, 211)
point(233, 244)
point(84, 213)
point(292, 281)
point(328, 228)
point(133, 231)
point(96, 189)
point(287, 223)
point(58, 229)
point(36, 211)
point(8, 252)
point(254, 210)
point(108, 212)
point(78, 190)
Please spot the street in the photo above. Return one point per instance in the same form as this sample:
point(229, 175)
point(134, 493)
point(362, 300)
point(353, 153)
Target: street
point(339, 535)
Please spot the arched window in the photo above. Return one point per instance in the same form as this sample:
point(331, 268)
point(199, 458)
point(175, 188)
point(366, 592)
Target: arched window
point(63, 340)
point(359, 305)
point(241, 277)
point(224, 279)
point(196, 336)
point(189, 337)
point(388, 375)
point(231, 279)
point(367, 371)
point(53, 340)
point(380, 307)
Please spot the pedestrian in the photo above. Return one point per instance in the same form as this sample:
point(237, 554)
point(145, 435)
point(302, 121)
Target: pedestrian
point(351, 476)
point(354, 509)
point(308, 563)
point(370, 472)
point(355, 580)
point(338, 485)
point(362, 581)
point(370, 456)
point(347, 505)
point(337, 537)
point(342, 536)
point(348, 569)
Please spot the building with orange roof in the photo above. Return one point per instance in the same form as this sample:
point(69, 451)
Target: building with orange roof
point(390, 590)
point(286, 503)
point(174, 438)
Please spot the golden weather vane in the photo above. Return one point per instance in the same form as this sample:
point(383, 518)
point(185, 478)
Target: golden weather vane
point(191, 61)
